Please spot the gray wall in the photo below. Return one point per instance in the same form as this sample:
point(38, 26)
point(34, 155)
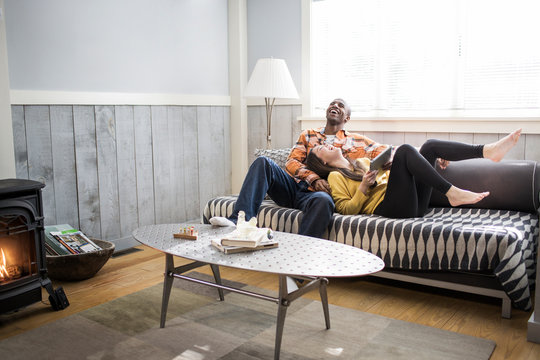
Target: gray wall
point(111, 169)
point(274, 30)
point(139, 46)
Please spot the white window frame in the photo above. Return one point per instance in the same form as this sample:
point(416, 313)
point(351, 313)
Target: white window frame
point(459, 122)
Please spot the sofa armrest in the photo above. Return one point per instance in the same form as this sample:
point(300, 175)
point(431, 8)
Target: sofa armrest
point(513, 184)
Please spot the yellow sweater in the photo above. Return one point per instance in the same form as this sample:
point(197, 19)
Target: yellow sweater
point(349, 200)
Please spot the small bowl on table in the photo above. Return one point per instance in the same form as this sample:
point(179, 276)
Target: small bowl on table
point(75, 267)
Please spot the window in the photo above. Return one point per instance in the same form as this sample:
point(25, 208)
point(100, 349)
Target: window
point(396, 56)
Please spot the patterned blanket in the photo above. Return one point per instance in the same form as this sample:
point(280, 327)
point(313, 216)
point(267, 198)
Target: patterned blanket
point(500, 241)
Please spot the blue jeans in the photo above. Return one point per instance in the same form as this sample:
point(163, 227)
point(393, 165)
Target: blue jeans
point(266, 177)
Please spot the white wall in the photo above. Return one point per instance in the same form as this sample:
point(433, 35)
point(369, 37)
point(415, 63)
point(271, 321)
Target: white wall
point(129, 46)
point(7, 159)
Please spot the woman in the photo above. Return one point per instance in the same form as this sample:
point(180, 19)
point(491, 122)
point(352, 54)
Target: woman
point(404, 190)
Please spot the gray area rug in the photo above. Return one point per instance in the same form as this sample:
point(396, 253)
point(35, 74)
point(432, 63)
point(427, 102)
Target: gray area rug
point(241, 328)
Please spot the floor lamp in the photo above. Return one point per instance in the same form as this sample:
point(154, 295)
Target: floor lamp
point(270, 79)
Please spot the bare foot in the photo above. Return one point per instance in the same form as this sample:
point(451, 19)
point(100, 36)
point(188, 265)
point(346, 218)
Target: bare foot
point(496, 151)
point(457, 196)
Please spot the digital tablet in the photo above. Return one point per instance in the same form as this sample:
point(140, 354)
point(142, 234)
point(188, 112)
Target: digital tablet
point(381, 159)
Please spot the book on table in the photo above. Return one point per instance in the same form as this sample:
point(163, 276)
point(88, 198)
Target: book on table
point(231, 249)
point(253, 239)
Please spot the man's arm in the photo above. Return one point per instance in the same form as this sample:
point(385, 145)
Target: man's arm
point(295, 162)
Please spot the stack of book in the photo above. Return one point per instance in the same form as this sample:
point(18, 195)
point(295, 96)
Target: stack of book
point(64, 240)
point(234, 244)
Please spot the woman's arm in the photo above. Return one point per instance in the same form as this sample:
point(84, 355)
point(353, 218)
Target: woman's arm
point(347, 196)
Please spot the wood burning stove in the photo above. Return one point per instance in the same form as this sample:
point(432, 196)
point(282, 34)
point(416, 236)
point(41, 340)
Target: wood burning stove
point(23, 266)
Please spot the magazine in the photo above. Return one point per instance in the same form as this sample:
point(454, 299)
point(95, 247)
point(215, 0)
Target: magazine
point(55, 247)
point(75, 241)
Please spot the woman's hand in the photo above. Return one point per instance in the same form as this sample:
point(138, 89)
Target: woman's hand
point(367, 181)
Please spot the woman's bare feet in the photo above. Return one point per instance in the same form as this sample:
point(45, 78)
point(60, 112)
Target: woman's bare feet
point(496, 151)
point(457, 196)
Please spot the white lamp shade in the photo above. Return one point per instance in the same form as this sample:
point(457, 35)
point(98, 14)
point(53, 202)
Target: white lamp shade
point(271, 79)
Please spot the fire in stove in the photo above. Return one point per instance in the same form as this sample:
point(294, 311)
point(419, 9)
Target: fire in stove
point(8, 271)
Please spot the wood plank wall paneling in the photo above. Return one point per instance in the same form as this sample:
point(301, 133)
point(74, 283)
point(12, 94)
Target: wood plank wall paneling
point(127, 177)
point(206, 161)
point(84, 130)
point(107, 172)
point(111, 169)
point(63, 154)
point(192, 202)
point(162, 164)
point(227, 176)
point(144, 165)
point(39, 151)
point(176, 135)
point(19, 142)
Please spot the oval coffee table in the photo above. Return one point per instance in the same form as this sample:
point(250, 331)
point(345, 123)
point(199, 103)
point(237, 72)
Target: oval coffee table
point(297, 256)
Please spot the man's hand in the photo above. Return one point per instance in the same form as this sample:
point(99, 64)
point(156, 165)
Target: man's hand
point(322, 185)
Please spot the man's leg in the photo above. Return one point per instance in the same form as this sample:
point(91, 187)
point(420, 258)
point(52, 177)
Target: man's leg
point(264, 176)
point(318, 208)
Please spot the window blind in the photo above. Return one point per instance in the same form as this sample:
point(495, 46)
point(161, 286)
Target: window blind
point(426, 55)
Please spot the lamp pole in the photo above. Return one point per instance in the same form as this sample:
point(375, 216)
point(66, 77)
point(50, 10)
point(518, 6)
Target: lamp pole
point(269, 102)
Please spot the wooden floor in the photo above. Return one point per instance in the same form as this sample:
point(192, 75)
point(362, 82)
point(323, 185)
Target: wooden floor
point(476, 316)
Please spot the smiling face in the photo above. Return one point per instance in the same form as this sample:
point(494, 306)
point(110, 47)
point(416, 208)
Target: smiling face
point(338, 112)
point(328, 154)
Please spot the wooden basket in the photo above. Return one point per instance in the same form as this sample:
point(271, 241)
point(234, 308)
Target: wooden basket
point(74, 267)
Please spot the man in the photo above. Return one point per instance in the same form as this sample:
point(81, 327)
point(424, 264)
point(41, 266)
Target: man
point(298, 187)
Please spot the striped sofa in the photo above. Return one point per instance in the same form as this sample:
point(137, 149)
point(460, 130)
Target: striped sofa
point(489, 249)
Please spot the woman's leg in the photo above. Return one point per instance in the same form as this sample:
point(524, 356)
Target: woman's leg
point(401, 198)
point(412, 177)
point(433, 149)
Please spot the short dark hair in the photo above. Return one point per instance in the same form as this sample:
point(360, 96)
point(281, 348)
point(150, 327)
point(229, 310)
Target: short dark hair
point(347, 107)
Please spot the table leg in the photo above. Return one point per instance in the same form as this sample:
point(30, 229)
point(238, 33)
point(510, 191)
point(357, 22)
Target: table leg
point(167, 286)
point(282, 312)
point(324, 301)
point(217, 278)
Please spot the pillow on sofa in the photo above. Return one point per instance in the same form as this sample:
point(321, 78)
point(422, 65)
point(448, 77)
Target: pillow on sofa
point(278, 155)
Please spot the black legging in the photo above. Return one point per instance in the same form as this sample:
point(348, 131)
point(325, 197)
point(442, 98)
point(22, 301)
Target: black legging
point(413, 176)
